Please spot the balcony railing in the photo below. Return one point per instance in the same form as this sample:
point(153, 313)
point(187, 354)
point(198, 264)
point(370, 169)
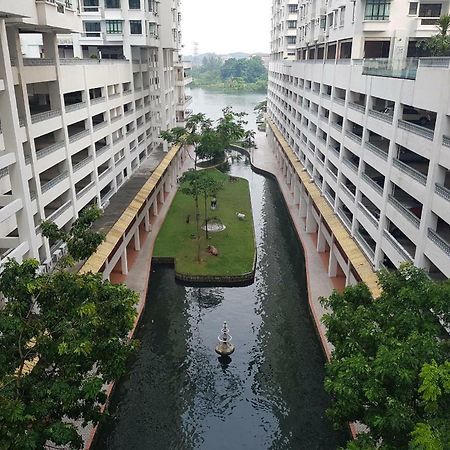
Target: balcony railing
point(50, 149)
point(392, 68)
point(373, 183)
point(38, 62)
point(82, 163)
point(444, 246)
point(353, 136)
point(348, 191)
point(45, 115)
point(47, 186)
point(357, 107)
point(373, 148)
point(104, 173)
point(336, 126)
point(416, 129)
point(404, 211)
point(364, 245)
point(350, 165)
point(446, 140)
point(102, 150)
point(85, 189)
point(339, 101)
point(96, 100)
point(405, 255)
point(344, 218)
point(381, 116)
point(442, 191)
point(75, 106)
point(77, 136)
point(369, 215)
point(422, 179)
point(99, 126)
point(55, 214)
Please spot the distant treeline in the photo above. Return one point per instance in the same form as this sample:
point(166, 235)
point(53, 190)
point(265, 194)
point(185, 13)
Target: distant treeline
point(233, 74)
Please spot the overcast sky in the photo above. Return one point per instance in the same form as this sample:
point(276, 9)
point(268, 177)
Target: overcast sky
point(224, 26)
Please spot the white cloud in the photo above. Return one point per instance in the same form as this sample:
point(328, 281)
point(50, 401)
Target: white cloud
point(224, 26)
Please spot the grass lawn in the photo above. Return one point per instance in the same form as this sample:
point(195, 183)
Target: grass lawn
point(236, 244)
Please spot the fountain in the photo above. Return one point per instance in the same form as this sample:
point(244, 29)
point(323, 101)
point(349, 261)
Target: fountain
point(224, 347)
point(214, 225)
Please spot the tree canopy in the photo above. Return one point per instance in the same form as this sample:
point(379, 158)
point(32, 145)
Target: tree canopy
point(234, 74)
point(389, 368)
point(439, 44)
point(63, 337)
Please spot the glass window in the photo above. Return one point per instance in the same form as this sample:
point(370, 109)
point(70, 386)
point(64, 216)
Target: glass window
point(342, 16)
point(114, 26)
point(112, 3)
point(291, 40)
point(152, 6)
point(153, 29)
point(413, 6)
point(430, 10)
point(135, 27)
point(293, 8)
point(377, 9)
point(134, 4)
point(91, 27)
point(292, 24)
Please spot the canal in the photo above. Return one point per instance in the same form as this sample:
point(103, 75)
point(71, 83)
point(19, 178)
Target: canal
point(178, 395)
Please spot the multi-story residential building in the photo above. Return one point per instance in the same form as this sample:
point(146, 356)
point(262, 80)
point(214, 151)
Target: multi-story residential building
point(369, 119)
point(78, 120)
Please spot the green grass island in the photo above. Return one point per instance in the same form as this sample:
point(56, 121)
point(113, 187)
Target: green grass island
point(176, 242)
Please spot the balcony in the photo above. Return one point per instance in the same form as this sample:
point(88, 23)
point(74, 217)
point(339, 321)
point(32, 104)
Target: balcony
point(385, 117)
point(439, 241)
point(406, 210)
point(392, 68)
point(404, 254)
point(416, 129)
point(58, 14)
point(53, 182)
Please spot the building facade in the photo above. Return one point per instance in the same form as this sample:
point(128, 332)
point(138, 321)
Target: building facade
point(369, 118)
point(80, 118)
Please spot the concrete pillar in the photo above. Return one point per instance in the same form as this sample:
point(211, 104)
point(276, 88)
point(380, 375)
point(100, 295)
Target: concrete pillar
point(347, 274)
point(147, 225)
point(155, 206)
point(332, 264)
point(137, 240)
point(124, 262)
point(321, 241)
point(311, 225)
point(303, 205)
point(161, 194)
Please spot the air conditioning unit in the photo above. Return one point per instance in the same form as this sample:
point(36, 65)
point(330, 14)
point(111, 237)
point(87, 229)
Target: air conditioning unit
point(57, 255)
point(63, 249)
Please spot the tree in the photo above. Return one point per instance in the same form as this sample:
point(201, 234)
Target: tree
point(249, 139)
point(191, 184)
point(439, 45)
point(208, 186)
point(208, 139)
point(381, 348)
point(261, 107)
point(197, 126)
point(63, 337)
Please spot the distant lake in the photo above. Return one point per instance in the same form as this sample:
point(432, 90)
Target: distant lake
point(211, 102)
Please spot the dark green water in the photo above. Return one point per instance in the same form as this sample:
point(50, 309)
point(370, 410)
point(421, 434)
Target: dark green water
point(177, 395)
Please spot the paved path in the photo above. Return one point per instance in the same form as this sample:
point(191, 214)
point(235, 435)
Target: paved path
point(319, 283)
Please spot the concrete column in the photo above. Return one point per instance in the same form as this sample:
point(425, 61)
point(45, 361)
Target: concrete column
point(347, 274)
point(124, 262)
point(332, 263)
point(311, 225)
point(161, 194)
point(303, 206)
point(320, 239)
point(155, 206)
point(147, 225)
point(137, 240)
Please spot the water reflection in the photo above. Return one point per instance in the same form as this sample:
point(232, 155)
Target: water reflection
point(268, 395)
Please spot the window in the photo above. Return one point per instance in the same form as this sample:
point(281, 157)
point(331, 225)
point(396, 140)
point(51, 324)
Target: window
point(342, 17)
point(430, 10)
point(292, 24)
point(92, 28)
point(135, 27)
point(112, 3)
point(293, 8)
point(134, 4)
point(291, 40)
point(377, 10)
point(114, 26)
point(152, 6)
point(413, 7)
point(153, 29)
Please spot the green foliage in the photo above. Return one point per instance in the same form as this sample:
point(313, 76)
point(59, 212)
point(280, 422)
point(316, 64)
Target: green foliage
point(63, 337)
point(80, 239)
point(236, 244)
point(439, 45)
point(233, 74)
point(382, 349)
point(208, 139)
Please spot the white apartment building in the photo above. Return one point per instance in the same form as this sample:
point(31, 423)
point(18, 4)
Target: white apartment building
point(369, 119)
point(78, 120)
